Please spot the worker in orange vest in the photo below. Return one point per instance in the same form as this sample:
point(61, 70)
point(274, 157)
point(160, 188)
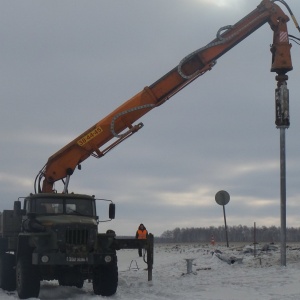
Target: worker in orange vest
point(141, 234)
point(212, 240)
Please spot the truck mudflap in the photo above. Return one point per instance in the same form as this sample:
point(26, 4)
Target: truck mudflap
point(72, 259)
point(147, 244)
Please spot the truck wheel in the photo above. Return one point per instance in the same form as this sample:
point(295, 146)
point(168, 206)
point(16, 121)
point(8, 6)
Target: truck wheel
point(7, 272)
point(105, 280)
point(27, 279)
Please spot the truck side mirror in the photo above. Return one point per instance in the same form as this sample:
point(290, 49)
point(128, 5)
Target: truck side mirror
point(112, 211)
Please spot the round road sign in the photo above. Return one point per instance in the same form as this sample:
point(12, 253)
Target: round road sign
point(222, 197)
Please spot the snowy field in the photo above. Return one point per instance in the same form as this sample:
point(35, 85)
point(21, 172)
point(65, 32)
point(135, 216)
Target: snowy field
point(211, 276)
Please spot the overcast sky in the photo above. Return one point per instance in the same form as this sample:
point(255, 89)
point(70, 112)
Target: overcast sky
point(67, 64)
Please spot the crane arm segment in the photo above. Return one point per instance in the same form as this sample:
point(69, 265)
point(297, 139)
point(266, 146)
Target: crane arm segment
point(112, 127)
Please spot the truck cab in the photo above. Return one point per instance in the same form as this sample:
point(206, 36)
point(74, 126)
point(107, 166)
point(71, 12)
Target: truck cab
point(48, 210)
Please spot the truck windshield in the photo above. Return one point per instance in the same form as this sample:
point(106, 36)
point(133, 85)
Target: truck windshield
point(83, 207)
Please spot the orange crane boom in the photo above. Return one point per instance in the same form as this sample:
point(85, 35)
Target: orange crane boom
point(93, 142)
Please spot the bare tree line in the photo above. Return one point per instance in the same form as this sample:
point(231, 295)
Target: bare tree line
point(235, 234)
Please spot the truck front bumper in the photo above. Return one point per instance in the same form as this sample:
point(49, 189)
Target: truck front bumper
point(66, 259)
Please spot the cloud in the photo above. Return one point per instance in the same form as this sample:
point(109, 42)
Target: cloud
point(7, 180)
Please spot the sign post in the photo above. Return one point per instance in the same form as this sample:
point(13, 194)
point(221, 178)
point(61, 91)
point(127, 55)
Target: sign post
point(222, 198)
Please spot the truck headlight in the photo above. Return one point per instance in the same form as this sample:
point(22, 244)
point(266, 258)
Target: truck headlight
point(107, 258)
point(45, 259)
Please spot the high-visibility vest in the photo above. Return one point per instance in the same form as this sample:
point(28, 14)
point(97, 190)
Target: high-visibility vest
point(142, 234)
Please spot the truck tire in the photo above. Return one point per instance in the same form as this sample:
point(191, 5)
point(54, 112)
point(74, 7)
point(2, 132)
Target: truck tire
point(27, 279)
point(105, 280)
point(7, 272)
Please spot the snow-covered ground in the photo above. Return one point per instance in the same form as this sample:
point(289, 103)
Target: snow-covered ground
point(211, 278)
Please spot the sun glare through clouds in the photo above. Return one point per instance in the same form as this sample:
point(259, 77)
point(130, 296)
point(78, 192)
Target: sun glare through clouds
point(219, 3)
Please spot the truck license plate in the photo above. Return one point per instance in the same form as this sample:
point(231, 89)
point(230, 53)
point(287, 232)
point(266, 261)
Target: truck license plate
point(76, 259)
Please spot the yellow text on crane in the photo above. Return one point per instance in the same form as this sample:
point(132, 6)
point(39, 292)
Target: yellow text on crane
point(89, 136)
